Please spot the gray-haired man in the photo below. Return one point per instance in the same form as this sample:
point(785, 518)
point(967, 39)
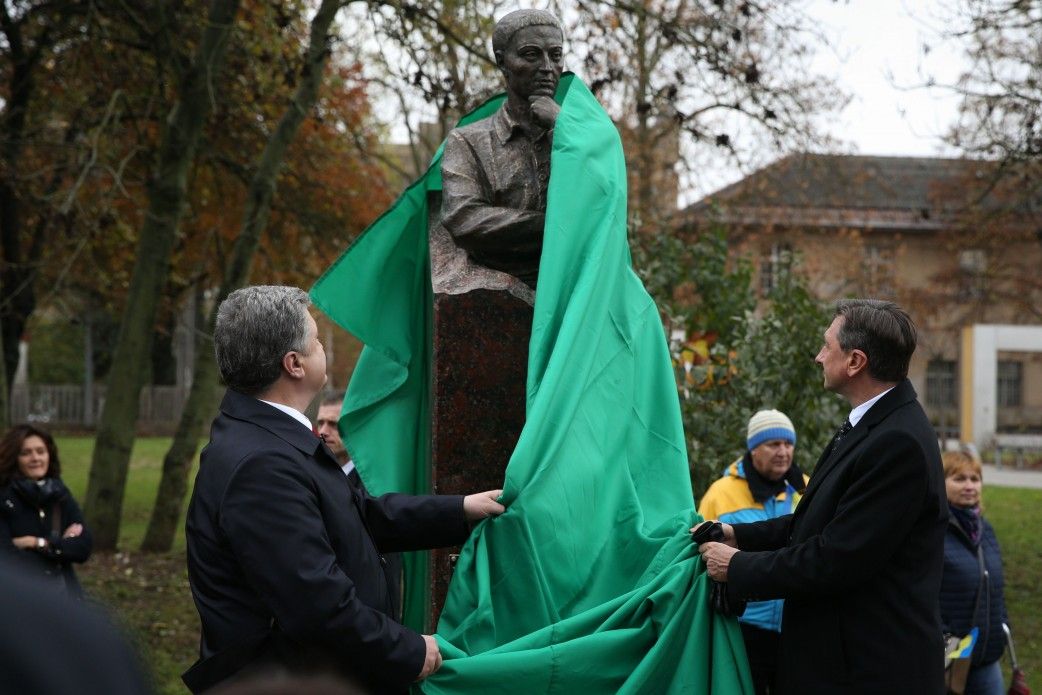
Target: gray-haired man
point(284, 551)
point(859, 561)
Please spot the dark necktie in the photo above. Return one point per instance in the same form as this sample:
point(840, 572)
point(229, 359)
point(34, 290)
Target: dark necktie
point(842, 431)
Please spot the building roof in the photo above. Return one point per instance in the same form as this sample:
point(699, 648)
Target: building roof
point(915, 193)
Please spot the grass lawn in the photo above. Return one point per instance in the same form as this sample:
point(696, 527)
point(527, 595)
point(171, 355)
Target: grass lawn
point(150, 595)
point(1017, 515)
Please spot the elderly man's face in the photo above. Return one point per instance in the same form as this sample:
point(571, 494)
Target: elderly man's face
point(773, 458)
point(531, 62)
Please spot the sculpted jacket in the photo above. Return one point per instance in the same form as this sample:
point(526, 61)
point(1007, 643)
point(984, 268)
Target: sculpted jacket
point(284, 556)
point(859, 561)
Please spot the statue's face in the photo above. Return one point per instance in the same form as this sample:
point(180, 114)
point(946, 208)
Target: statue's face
point(531, 62)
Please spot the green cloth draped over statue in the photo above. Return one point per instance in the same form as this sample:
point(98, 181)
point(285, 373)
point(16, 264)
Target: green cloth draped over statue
point(589, 580)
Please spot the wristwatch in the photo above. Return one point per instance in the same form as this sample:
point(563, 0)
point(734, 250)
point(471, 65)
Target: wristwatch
point(41, 542)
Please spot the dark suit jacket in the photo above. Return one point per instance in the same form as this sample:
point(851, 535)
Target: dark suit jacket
point(284, 556)
point(859, 561)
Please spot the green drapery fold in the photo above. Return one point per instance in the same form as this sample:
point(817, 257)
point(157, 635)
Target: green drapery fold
point(379, 290)
point(589, 580)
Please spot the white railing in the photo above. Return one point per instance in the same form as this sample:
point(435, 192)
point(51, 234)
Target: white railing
point(67, 406)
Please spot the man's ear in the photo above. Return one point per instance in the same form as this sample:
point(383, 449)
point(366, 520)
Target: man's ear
point(293, 364)
point(857, 362)
point(499, 59)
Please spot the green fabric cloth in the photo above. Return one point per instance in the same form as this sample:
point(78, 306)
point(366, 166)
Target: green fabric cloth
point(379, 290)
point(589, 580)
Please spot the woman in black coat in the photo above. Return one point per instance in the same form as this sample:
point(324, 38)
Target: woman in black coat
point(40, 523)
point(971, 586)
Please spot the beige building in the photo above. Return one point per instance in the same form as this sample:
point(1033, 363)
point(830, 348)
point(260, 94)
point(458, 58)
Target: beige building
point(950, 239)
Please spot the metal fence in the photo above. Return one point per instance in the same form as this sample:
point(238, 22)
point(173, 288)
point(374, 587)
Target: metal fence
point(69, 406)
point(1017, 450)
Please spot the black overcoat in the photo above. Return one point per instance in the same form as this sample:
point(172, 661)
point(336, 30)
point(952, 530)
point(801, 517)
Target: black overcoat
point(284, 556)
point(24, 514)
point(859, 561)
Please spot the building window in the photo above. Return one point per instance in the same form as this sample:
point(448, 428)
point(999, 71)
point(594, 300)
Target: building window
point(940, 383)
point(1009, 384)
point(777, 263)
point(973, 266)
point(879, 271)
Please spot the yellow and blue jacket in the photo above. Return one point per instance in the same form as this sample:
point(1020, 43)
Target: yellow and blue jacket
point(729, 500)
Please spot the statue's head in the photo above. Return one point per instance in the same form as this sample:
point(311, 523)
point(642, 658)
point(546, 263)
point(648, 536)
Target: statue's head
point(528, 46)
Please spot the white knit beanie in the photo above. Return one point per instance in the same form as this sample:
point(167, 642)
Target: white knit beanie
point(766, 425)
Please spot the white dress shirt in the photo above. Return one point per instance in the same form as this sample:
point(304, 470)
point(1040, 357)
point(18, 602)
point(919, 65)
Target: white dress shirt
point(859, 412)
point(292, 412)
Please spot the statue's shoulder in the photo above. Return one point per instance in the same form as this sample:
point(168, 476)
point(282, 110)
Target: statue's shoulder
point(478, 129)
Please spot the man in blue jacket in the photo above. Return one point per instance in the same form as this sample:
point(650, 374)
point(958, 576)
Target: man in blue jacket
point(285, 552)
point(764, 484)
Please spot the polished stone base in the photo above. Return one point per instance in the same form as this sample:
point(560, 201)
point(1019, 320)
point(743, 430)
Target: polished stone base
point(480, 360)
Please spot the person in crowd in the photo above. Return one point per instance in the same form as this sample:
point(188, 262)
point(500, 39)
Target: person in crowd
point(327, 424)
point(859, 561)
point(40, 522)
point(765, 483)
point(971, 586)
point(58, 645)
point(285, 552)
point(328, 428)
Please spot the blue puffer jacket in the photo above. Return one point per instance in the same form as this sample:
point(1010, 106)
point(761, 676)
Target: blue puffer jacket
point(729, 500)
point(959, 584)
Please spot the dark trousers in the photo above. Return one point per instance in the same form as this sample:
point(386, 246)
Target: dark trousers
point(761, 646)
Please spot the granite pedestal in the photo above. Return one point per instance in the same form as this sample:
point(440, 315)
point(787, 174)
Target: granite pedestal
point(480, 361)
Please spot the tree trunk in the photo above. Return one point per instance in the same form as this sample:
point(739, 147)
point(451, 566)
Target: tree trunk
point(115, 434)
point(197, 410)
point(17, 299)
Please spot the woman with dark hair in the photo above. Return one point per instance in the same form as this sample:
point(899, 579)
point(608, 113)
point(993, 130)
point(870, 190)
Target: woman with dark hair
point(40, 523)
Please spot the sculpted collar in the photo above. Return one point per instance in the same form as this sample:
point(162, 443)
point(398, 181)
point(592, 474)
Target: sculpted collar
point(506, 126)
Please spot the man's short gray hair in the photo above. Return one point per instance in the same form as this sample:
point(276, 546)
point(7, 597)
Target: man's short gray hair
point(256, 327)
point(516, 21)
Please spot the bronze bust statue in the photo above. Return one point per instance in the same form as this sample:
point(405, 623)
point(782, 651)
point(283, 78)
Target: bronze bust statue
point(495, 172)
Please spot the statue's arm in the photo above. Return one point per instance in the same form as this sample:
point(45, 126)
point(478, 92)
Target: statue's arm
point(467, 210)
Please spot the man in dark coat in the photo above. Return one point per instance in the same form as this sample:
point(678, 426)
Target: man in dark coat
point(285, 551)
point(859, 561)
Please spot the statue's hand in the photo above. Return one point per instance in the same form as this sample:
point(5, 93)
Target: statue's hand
point(544, 110)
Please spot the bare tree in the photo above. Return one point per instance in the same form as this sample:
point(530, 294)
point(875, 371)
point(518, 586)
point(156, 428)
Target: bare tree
point(732, 77)
point(1000, 120)
point(30, 35)
point(1001, 111)
point(430, 63)
point(177, 462)
point(115, 434)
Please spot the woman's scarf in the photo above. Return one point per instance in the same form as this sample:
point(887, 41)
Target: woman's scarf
point(969, 520)
point(762, 488)
point(39, 493)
